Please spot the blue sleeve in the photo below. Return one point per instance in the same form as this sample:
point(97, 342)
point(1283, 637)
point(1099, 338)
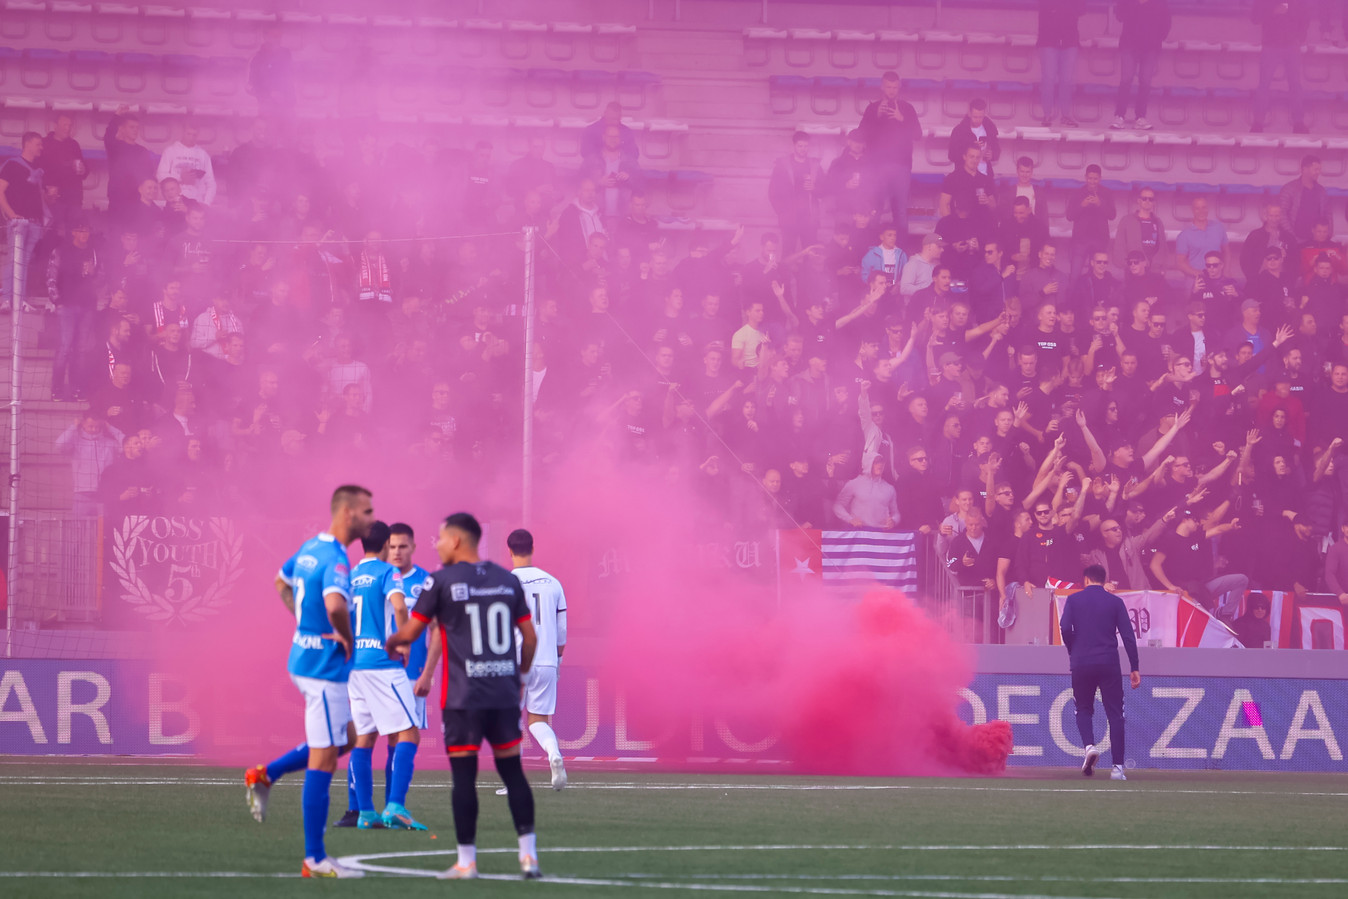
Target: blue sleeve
point(393, 583)
point(288, 571)
point(867, 266)
point(337, 578)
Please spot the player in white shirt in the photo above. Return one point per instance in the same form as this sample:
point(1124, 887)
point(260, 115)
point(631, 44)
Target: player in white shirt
point(547, 603)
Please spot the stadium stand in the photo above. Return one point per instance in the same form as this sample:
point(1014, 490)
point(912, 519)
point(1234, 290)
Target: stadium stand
point(708, 106)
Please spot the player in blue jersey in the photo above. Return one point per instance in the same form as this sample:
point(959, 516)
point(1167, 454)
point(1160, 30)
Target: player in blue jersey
point(398, 553)
point(381, 695)
point(478, 607)
point(315, 585)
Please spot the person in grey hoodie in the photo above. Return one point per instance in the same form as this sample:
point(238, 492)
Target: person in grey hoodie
point(868, 500)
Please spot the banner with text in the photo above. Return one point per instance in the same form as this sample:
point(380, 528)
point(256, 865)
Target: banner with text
point(170, 571)
point(1248, 723)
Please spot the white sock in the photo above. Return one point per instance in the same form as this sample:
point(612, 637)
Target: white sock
point(546, 739)
point(467, 855)
point(529, 844)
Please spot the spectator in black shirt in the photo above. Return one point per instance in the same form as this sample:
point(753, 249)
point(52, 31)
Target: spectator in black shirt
point(1021, 235)
point(73, 274)
point(1274, 288)
point(1274, 234)
point(970, 193)
point(1219, 294)
point(793, 191)
point(890, 128)
point(271, 78)
point(848, 180)
point(129, 162)
point(1090, 209)
point(976, 130)
point(972, 558)
point(1183, 564)
point(1097, 288)
point(63, 167)
point(21, 202)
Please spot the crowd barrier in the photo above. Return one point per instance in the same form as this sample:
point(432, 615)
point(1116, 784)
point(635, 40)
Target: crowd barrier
point(1278, 710)
point(100, 693)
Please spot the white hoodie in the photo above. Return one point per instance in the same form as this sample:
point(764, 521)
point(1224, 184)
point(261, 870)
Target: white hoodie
point(179, 159)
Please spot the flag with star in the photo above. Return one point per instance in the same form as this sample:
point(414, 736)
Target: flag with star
point(841, 558)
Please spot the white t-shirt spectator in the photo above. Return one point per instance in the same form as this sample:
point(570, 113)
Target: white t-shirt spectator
point(192, 167)
point(748, 339)
point(353, 372)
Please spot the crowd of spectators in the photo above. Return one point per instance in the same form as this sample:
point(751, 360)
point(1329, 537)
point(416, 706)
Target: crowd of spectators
point(1172, 409)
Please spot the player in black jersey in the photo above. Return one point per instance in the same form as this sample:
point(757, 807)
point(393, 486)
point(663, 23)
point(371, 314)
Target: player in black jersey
point(478, 606)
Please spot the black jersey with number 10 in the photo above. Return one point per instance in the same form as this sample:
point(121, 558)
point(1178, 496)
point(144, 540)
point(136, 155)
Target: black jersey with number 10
point(476, 605)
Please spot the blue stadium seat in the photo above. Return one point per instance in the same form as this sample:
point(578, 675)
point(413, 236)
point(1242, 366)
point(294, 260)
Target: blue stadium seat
point(130, 71)
point(38, 66)
point(179, 72)
point(589, 87)
point(225, 75)
point(85, 69)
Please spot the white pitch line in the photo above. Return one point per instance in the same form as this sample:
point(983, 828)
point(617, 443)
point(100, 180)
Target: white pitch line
point(1006, 878)
point(931, 787)
point(1093, 847)
point(358, 863)
point(707, 787)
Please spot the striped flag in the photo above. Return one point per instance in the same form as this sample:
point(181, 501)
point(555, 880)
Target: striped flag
point(884, 556)
point(1195, 626)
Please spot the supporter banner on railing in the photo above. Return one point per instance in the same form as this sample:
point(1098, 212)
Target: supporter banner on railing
point(848, 558)
point(1313, 621)
point(1245, 723)
point(1164, 619)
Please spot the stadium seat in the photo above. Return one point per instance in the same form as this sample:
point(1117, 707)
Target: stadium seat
point(589, 87)
point(178, 72)
point(85, 69)
point(131, 71)
point(783, 91)
point(542, 86)
point(207, 27)
point(225, 76)
point(633, 89)
point(37, 66)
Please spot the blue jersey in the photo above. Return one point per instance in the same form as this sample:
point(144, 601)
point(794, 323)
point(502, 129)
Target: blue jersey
point(415, 581)
point(372, 583)
point(320, 568)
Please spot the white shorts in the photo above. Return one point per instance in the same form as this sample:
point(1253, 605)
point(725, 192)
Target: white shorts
point(327, 711)
point(540, 690)
point(420, 712)
point(382, 700)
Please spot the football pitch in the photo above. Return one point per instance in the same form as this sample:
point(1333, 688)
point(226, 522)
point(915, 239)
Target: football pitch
point(133, 830)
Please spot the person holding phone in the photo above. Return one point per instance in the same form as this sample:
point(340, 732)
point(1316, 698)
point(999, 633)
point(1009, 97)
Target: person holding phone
point(889, 129)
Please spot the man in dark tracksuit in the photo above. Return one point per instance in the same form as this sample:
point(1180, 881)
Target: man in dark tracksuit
point(1090, 619)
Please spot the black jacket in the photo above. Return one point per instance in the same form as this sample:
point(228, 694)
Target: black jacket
point(962, 137)
point(1090, 619)
point(1145, 25)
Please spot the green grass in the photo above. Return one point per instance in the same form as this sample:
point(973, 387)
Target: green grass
point(867, 839)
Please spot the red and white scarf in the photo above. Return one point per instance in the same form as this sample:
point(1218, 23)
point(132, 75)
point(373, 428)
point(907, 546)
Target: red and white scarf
point(374, 278)
point(162, 317)
point(230, 322)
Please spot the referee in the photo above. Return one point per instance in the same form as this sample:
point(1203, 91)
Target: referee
point(1090, 619)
